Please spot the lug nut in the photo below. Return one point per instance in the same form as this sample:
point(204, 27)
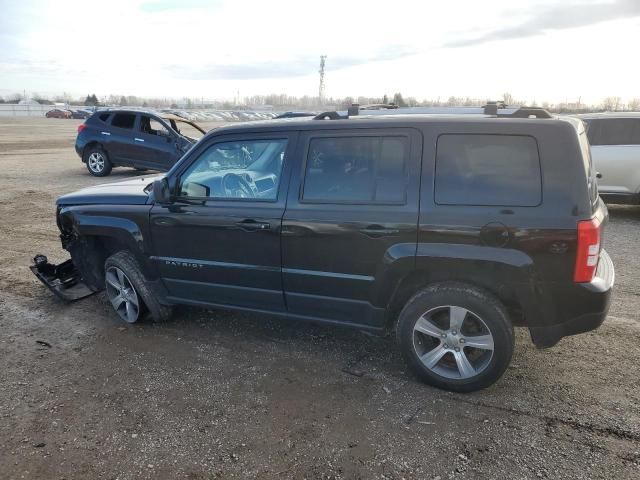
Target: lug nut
point(462, 340)
point(454, 332)
point(457, 349)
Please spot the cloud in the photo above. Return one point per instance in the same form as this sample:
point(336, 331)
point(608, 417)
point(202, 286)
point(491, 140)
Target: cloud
point(297, 66)
point(558, 17)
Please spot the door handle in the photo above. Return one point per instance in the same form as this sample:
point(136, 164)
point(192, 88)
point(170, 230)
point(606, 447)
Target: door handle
point(105, 133)
point(379, 231)
point(138, 139)
point(250, 225)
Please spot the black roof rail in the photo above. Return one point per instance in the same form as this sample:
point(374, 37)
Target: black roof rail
point(491, 108)
point(353, 111)
point(330, 116)
point(528, 112)
point(379, 106)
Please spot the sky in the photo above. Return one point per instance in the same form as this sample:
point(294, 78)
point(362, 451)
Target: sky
point(553, 50)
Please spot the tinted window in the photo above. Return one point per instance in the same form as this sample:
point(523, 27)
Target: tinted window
point(501, 170)
point(123, 120)
point(104, 116)
point(356, 169)
point(243, 169)
point(613, 131)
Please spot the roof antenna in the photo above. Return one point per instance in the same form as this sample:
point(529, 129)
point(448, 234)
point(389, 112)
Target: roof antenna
point(354, 110)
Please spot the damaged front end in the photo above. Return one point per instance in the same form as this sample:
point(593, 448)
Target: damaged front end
point(64, 279)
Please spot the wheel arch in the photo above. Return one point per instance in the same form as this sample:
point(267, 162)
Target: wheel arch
point(505, 276)
point(91, 239)
point(90, 145)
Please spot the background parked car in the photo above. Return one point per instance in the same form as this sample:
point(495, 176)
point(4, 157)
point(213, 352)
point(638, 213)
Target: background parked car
point(615, 148)
point(58, 113)
point(139, 139)
point(81, 114)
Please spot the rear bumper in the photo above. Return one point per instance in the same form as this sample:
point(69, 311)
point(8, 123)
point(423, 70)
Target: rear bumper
point(593, 300)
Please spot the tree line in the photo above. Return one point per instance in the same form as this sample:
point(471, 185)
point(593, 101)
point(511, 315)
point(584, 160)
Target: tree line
point(291, 102)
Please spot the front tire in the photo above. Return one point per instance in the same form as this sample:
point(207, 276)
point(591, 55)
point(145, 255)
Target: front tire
point(456, 337)
point(97, 161)
point(128, 290)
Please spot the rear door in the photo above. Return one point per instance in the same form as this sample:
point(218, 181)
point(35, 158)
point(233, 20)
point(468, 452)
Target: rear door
point(154, 144)
point(118, 140)
point(352, 210)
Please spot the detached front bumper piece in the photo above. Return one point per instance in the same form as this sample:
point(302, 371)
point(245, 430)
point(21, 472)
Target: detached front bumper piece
point(63, 280)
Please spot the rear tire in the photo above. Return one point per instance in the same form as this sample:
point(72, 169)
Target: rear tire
point(455, 337)
point(122, 270)
point(97, 161)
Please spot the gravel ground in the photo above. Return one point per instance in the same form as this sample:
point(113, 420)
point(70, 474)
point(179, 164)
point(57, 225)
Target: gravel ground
point(213, 394)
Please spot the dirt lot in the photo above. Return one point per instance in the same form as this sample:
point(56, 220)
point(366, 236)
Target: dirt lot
point(219, 395)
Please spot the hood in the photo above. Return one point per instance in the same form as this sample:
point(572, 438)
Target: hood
point(128, 192)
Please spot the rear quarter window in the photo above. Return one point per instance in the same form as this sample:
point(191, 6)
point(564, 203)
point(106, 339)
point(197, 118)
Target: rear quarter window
point(488, 170)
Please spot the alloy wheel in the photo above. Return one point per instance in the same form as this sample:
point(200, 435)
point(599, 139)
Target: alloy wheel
point(96, 162)
point(122, 294)
point(453, 342)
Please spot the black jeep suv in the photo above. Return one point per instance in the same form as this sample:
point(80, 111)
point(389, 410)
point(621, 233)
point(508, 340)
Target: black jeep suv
point(140, 139)
point(447, 230)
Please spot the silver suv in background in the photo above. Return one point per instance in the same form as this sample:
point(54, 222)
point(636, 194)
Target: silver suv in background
point(615, 149)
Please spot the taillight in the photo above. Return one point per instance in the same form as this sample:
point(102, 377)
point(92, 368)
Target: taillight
point(588, 250)
point(81, 127)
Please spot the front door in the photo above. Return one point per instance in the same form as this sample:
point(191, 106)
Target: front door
point(355, 213)
point(218, 243)
point(154, 144)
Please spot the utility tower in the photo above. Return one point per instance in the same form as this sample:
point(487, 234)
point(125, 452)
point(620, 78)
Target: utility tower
point(321, 87)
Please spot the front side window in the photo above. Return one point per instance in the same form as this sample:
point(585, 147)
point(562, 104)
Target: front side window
point(123, 120)
point(364, 169)
point(151, 126)
point(236, 170)
point(499, 170)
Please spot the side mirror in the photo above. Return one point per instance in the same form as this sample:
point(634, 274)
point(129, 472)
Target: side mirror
point(161, 192)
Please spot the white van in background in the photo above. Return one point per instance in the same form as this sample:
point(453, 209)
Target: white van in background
point(615, 149)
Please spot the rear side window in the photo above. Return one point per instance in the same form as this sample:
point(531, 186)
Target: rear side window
point(123, 120)
point(613, 131)
point(500, 170)
point(104, 117)
point(365, 169)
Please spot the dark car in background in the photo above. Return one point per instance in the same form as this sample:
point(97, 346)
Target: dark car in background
point(81, 114)
point(139, 139)
point(58, 113)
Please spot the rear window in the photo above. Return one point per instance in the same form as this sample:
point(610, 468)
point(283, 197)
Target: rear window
point(123, 120)
point(500, 170)
point(613, 131)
